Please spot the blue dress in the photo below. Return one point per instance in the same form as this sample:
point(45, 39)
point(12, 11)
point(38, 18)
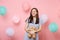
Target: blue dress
point(26, 34)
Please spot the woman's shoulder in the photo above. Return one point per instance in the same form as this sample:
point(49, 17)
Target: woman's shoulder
point(27, 20)
point(40, 21)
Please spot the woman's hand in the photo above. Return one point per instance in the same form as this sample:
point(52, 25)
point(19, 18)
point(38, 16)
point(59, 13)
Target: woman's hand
point(38, 30)
point(27, 30)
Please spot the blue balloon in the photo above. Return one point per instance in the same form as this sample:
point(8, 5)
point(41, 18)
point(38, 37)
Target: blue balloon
point(2, 10)
point(53, 27)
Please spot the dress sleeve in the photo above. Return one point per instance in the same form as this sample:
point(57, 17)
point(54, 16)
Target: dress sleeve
point(27, 24)
point(26, 20)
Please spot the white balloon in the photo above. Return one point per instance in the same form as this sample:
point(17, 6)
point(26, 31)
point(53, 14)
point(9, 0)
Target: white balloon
point(10, 32)
point(15, 19)
point(43, 18)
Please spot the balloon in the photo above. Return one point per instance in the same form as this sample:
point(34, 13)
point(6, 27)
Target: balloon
point(15, 19)
point(53, 27)
point(2, 10)
point(10, 32)
point(43, 18)
point(26, 7)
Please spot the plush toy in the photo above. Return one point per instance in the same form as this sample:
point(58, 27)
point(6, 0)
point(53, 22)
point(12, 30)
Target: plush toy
point(32, 32)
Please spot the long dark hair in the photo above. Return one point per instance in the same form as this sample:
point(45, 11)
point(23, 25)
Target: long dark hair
point(31, 17)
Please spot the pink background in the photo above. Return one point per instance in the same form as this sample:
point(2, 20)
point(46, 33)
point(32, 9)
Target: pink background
point(14, 7)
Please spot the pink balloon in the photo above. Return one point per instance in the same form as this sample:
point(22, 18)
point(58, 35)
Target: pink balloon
point(15, 19)
point(26, 7)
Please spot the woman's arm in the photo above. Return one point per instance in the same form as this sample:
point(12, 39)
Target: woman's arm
point(39, 29)
point(26, 27)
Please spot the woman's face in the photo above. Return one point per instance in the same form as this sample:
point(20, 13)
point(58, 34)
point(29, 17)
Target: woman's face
point(34, 12)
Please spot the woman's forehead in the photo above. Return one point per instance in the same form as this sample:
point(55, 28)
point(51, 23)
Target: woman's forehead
point(34, 10)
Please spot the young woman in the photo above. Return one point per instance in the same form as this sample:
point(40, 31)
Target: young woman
point(34, 21)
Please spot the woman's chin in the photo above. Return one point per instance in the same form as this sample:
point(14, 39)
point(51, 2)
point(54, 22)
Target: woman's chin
point(33, 15)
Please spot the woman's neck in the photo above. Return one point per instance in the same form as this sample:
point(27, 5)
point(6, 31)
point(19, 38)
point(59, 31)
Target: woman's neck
point(34, 19)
